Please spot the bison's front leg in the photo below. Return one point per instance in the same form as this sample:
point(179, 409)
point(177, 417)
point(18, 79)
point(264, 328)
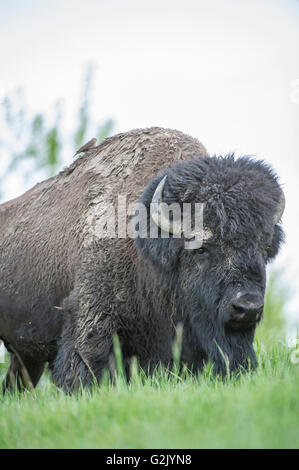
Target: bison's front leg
point(76, 365)
point(85, 347)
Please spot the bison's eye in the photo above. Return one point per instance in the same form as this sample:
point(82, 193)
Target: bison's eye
point(201, 252)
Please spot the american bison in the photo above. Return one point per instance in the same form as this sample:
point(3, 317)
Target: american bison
point(66, 288)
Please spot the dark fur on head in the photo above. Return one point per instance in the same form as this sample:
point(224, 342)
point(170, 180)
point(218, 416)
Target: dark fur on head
point(240, 199)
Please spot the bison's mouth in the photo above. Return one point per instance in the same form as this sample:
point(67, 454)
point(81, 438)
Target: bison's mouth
point(241, 325)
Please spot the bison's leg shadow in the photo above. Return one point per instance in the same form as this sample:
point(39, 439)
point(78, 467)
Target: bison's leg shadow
point(23, 373)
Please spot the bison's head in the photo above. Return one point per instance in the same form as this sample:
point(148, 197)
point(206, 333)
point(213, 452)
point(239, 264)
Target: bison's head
point(218, 287)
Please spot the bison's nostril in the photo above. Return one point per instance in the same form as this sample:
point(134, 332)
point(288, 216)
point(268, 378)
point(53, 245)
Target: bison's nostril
point(238, 309)
point(247, 308)
point(238, 313)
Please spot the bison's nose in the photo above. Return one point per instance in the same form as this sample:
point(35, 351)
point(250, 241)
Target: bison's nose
point(245, 310)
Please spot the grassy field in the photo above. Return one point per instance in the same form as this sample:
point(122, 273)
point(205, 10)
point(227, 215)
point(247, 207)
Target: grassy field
point(260, 410)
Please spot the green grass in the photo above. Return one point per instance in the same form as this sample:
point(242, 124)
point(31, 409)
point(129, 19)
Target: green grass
point(260, 410)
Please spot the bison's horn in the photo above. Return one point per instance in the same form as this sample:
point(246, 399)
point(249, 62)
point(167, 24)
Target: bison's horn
point(280, 209)
point(158, 214)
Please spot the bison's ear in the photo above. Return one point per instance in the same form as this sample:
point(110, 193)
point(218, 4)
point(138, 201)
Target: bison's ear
point(280, 208)
point(277, 240)
point(163, 253)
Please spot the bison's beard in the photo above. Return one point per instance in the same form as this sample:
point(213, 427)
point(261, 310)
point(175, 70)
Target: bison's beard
point(228, 351)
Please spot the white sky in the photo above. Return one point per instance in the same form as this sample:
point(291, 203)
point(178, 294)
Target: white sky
point(224, 71)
